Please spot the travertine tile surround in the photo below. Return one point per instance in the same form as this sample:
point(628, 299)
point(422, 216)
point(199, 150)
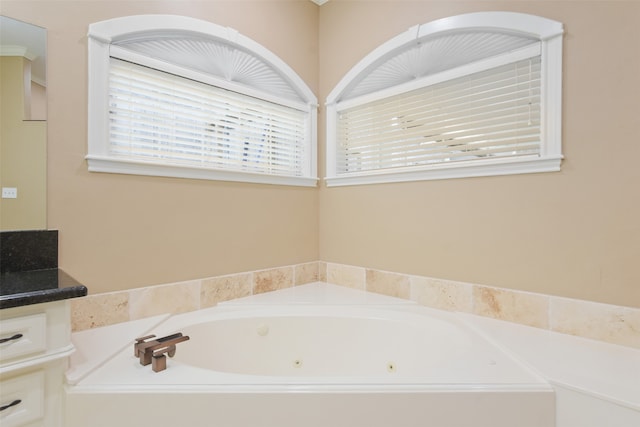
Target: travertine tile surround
point(109, 308)
point(604, 322)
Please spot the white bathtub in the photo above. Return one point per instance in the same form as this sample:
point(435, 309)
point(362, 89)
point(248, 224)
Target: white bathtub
point(339, 362)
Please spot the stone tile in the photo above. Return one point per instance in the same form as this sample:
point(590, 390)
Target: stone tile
point(604, 322)
point(386, 283)
point(442, 294)
point(216, 289)
point(306, 273)
point(98, 310)
point(346, 275)
point(272, 280)
point(170, 298)
point(322, 271)
point(613, 324)
point(513, 306)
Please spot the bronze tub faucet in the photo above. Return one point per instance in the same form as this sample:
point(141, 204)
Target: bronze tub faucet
point(153, 351)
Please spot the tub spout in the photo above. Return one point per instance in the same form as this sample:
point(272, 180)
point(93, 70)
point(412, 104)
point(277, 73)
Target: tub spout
point(152, 351)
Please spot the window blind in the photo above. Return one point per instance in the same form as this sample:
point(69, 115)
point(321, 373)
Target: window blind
point(490, 114)
point(160, 117)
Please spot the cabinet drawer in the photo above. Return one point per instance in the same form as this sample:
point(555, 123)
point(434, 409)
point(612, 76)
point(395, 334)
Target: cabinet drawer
point(22, 399)
point(24, 335)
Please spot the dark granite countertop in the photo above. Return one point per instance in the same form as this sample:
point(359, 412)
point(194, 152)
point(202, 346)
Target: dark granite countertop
point(37, 286)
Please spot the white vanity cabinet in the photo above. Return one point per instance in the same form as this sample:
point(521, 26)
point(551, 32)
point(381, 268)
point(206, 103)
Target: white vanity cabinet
point(35, 344)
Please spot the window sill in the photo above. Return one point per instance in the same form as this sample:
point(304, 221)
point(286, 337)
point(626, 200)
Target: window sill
point(449, 171)
point(111, 165)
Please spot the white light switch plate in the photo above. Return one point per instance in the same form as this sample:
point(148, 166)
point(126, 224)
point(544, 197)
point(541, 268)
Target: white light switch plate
point(9, 193)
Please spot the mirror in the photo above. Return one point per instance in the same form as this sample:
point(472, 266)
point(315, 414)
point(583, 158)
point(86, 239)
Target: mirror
point(23, 127)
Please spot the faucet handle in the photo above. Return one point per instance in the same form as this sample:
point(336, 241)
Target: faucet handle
point(139, 341)
point(159, 360)
point(168, 346)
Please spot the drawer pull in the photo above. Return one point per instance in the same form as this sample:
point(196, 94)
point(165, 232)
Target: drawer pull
point(9, 405)
point(13, 338)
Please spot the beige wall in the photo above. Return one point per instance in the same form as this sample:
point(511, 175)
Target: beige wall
point(575, 233)
point(23, 152)
point(120, 232)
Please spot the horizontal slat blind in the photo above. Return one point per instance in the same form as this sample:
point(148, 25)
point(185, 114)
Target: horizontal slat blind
point(489, 114)
point(159, 117)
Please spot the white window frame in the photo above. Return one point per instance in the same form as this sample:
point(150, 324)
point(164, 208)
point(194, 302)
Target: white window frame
point(548, 32)
point(100, 38)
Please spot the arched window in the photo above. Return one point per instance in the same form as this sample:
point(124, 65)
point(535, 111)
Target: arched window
point(181, 97)
point(470, 95)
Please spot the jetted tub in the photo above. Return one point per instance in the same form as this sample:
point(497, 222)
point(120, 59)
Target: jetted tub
point(341, 362)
